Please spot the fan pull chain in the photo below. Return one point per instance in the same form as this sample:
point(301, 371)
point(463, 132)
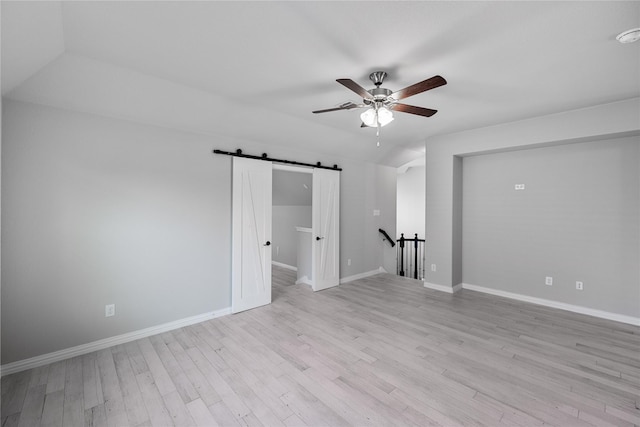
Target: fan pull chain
point(377, 129)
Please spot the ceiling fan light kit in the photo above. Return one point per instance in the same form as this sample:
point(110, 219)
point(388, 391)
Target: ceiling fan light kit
point(381, 102)
point(373, 117)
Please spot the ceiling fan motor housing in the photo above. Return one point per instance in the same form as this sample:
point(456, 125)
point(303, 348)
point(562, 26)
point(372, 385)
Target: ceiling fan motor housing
point(380, 97)
point(380, 93)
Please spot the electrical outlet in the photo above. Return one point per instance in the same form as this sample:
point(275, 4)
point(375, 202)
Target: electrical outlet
point(548, 281)
point(433, 267)
point(376, 212)
point(349, 261)
point(109, 310)
point(519, 186)
point(579, 286)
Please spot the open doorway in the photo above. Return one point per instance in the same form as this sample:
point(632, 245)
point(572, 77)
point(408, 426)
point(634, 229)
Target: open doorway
point(410, 220)
point(410, 201)
point(291, 224)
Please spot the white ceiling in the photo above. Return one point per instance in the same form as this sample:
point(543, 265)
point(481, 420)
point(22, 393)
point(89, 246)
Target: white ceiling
point(256, 70)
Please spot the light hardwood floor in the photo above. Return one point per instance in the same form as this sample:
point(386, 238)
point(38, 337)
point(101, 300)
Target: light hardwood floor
point(378, 351)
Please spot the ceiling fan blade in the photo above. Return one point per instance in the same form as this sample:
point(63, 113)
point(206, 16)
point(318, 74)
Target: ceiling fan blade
point(412, 109)
point(350, 84)
point(423, 86)
point(328, 110)
point(345, 106)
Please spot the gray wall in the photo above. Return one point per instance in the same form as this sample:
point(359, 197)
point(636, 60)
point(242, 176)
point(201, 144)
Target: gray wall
point(292, 188)
point(98, 211)
point(457, 219)
point(385, 198)
point(378, 192)
point(444, 174)
point(285, 219)
point(578, 219)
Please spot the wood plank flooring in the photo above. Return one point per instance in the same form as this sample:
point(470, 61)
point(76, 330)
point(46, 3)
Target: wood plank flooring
point(379, 351)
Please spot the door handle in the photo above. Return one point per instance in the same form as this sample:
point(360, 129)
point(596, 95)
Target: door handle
point(319, 238)
point(268, 243)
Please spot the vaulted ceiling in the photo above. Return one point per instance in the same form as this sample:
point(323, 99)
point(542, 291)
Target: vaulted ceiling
point(256, 70)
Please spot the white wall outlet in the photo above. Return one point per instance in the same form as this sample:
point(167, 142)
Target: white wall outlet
point(579, 286)
point(109, 310)
point(376, 212)
point(433, 267)
point(519, 186)
point(349, 261)
point(548, 281)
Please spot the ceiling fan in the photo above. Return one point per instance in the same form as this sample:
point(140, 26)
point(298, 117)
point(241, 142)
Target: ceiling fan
point(381, 101)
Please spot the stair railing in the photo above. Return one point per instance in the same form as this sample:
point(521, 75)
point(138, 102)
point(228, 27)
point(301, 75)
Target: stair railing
point(410, 256)
point(387, 237)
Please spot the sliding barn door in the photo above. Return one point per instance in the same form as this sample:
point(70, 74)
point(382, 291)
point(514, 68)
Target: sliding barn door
point(251, 234)
point(326, 229)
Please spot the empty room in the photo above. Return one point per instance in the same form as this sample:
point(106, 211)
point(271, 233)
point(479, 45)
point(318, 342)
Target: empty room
point(203, 201)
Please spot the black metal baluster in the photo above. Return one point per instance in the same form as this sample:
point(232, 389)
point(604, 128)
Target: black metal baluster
point(415, 257)
point(422, 260)
point(401, 249)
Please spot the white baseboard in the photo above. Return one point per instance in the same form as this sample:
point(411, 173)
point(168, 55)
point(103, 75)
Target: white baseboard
point(555, 304)
point(304, 280)
point(287, 266)
point(45, 359)
point(443, 288)
point(362, 275)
